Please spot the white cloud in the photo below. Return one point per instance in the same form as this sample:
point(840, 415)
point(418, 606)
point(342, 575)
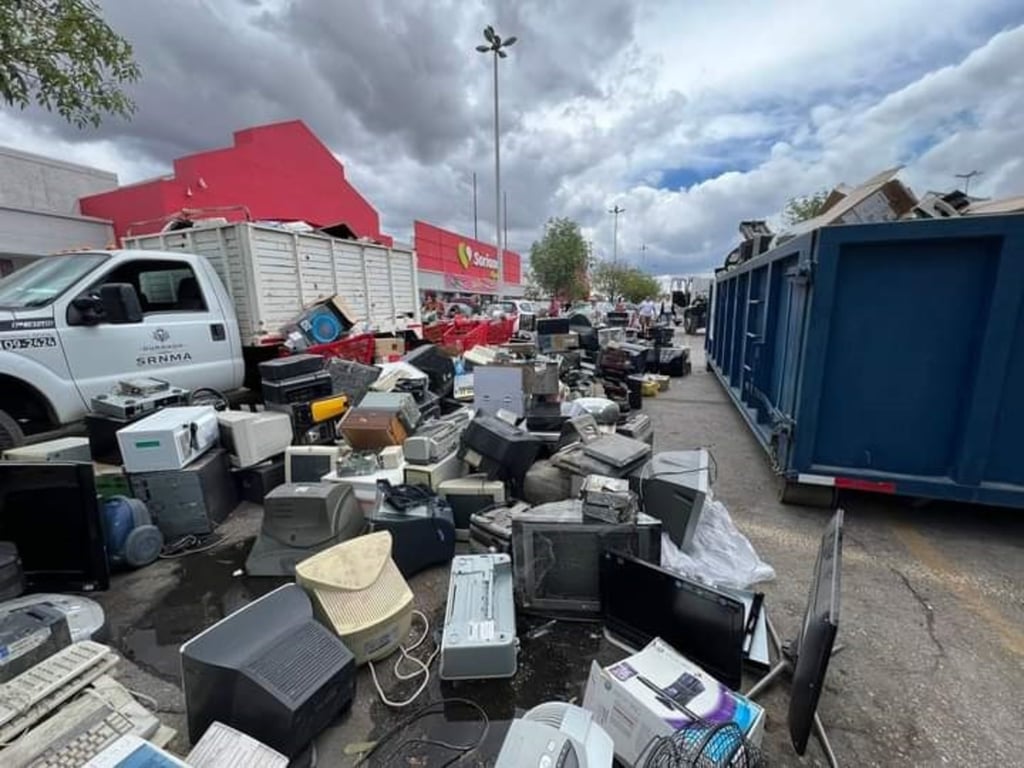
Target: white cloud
point(751, 105)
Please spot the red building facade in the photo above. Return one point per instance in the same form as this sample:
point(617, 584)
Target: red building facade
point(271, 172)
point(455, 263)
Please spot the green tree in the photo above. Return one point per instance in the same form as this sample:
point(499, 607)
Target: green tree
point(638, 286)
point(558, 260)
point(616, 280)
point(63, 56)
point(806, 207)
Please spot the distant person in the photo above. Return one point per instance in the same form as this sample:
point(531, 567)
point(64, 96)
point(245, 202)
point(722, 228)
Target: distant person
point(553, 308)
point(647, 311)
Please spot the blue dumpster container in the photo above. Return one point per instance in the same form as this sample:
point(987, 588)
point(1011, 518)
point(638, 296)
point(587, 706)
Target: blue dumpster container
point(882, 357)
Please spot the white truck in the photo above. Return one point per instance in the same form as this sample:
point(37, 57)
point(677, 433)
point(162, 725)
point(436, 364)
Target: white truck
point(194, 307)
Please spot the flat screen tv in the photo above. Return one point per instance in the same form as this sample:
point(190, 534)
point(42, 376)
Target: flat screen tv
point(813, 646)
point(641, 601)
point(51, 512)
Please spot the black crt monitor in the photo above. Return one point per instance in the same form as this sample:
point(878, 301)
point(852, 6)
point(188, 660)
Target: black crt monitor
point(51, 512)
point(270, 670)
point(813, 646)
point(641, 601)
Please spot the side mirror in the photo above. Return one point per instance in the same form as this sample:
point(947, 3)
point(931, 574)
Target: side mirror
point(120, 303)
point(88, 309)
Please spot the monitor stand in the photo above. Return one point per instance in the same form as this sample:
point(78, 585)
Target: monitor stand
point(786, 657)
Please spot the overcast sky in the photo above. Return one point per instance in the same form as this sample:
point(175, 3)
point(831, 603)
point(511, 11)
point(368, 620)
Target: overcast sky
point(691, 115)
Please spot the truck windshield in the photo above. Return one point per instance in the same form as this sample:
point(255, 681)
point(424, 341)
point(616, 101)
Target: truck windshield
point(44, 280)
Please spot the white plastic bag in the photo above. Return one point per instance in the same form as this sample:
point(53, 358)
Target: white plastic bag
point(719, 554)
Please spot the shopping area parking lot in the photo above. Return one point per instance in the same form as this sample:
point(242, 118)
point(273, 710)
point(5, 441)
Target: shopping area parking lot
point(932, 622)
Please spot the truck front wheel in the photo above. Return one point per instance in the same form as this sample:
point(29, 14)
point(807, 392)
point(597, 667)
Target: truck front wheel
point(11, 435)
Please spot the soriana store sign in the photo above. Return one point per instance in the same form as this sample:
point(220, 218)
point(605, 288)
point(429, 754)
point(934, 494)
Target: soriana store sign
point(467, 264)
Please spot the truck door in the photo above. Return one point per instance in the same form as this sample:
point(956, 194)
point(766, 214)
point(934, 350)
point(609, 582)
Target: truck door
point(182, 338)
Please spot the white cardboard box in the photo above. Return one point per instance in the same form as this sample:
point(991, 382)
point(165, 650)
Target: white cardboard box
point(624, 704)
point(168, 439)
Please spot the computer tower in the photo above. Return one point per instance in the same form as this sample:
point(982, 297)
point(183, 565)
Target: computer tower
point(193, 500)
point(432, 475)
point(436, 364)
point(28, 636)
point(420, 537)
point(270, 670)
point(253, 483)
point(299, 520)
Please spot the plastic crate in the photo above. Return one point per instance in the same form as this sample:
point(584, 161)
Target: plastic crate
point(360, 348)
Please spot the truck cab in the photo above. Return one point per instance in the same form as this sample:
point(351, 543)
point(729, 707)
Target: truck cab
point(73, 325)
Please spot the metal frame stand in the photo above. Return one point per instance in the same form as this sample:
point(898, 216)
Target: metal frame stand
point(785, 664)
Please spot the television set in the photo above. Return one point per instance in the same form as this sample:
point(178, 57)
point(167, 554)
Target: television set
point(641, 601)
point(309, 463)
point(50, 511)
point(557, 553)
point(251, 437)
point(813, 646)
point(299, 520)
point(499, 449)
point(672, 487)
point(270, 670)
point(806, 657)
point(359, 593)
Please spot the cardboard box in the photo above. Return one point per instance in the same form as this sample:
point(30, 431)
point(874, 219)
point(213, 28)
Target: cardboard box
point(630, 712)
point(370, 429)
point(388, 349)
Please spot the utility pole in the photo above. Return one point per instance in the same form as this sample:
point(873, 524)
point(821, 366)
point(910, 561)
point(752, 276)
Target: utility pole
point(476, 234)
point(495, 45)
point(614, 246)
point(643, 255)
point(967, 179)
point(505, 205)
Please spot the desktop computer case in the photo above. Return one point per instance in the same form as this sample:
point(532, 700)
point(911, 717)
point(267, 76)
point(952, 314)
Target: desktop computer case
point(432, 475)
point(168, 439)
point(401, 403)
point(479, 639)
point(193, 500)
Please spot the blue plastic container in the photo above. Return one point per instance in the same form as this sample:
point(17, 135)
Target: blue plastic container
point(883, 357)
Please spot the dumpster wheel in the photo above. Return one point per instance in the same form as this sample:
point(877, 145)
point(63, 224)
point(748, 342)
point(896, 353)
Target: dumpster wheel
point(804, 495)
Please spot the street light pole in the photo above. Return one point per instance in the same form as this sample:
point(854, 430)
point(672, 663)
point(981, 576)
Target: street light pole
point(495, 45)
point(615, 242)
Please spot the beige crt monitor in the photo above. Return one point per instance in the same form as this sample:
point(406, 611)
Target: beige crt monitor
point(309, 463)
point(359, 593)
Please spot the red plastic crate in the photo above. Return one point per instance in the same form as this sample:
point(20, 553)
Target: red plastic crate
point(359, 348)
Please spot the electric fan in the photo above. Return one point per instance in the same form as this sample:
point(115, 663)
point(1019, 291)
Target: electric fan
point(705, 745)
point(556, 734)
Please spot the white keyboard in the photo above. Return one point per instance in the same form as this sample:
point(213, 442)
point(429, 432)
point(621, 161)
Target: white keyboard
point(32, 695)
point(82, 728)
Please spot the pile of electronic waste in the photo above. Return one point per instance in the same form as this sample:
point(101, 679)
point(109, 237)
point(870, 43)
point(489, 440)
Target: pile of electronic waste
point(529, 474)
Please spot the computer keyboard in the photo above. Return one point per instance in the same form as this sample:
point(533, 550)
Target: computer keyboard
point(32, 695)
point(82, 729)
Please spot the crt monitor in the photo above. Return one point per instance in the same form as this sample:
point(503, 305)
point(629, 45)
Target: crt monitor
point(813, 646)
point(641, 601)
point(50, 511)
point(270, 670)
point(309, 463)
point(556, 556)
point(672, 487)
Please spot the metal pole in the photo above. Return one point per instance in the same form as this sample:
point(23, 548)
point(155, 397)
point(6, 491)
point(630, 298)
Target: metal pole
point(497, 182)
point(476, 234)
point(504, 196)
